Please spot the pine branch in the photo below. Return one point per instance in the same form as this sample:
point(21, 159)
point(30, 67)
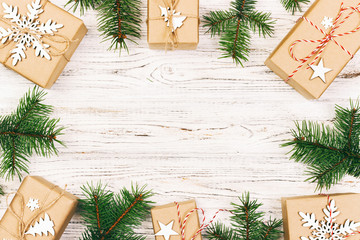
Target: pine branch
point(113, 216)
point(119, 21)
point(218, 21)
point(293, 5)
point(83, 5)
point(247, 224)
point(219, 231)
point(330, 153)
point(247, 218)
point(235, 25)
point(259, 22)
point(235, 42)
point(270, 230)
point(25, 132)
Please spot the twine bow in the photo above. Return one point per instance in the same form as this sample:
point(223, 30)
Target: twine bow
point(24, 226)
point(203, 225)
point(172, 35)
point(328, 37)
point(50, 37)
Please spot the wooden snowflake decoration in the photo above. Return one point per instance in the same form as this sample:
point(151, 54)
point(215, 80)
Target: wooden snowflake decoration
point(33, 204)
point(27, 32)
point(328, 229)
point(327, 22)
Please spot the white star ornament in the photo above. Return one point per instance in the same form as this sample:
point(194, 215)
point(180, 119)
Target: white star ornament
point(166, 230)
point(320, 71)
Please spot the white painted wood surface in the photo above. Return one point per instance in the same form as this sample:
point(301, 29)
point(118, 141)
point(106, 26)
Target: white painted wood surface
point(186, 123)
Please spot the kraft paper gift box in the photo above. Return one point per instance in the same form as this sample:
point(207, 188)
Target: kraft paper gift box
point(333, 56)
point(167, 215)
point(160, 36)
point(62, 42)
point(333, 210)
point(38, 203)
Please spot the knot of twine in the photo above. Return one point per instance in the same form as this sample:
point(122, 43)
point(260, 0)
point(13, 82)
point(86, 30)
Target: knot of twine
point(51, 37)
point(202, 226)
point(172, 35)
point(328, 37)
point(24, 226)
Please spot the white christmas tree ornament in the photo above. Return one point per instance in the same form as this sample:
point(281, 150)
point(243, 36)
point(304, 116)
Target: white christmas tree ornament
point(177, 19)
point(327, 22)
point(328, 229)
point(26, 31)
point(33, 204)
point(166, 230)
point(42, 227)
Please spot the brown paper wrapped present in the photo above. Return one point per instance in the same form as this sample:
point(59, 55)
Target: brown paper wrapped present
point(322, 217)
point(318, 47)
point(39, 210)
point(173, 24)
point(166, 223)
point(38, 39)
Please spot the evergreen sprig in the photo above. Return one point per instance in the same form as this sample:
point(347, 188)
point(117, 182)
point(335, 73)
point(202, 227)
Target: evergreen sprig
point(247, 223)
point(293, 5)
point(118, 20)
point(235, 25)
point(110, 216)
point(25, 132)
point(330, 153)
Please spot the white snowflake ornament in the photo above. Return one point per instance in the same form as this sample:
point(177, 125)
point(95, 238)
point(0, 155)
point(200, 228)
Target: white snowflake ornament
point(328, 229)
point(27, 31)
point(33, 204)
point(177, 19)
point(327, 22)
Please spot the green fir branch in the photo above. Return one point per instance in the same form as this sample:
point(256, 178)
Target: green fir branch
point(247, 223)
point(270, 229)
point(293, 5)
point(119, 21)
point(83, 5)
point(27, 131)
point(330, 153)
point(109, 216)
point(219, 231)
point(235, 26)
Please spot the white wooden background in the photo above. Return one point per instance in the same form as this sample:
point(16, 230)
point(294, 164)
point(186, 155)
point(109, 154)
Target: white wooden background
point(186, 123)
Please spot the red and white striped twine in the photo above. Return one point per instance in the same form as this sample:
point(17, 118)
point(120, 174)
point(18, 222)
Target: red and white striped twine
point(202, 226)
point(325, 40)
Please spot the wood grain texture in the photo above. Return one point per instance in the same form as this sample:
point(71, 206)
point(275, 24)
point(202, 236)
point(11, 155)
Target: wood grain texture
point(187, 124)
